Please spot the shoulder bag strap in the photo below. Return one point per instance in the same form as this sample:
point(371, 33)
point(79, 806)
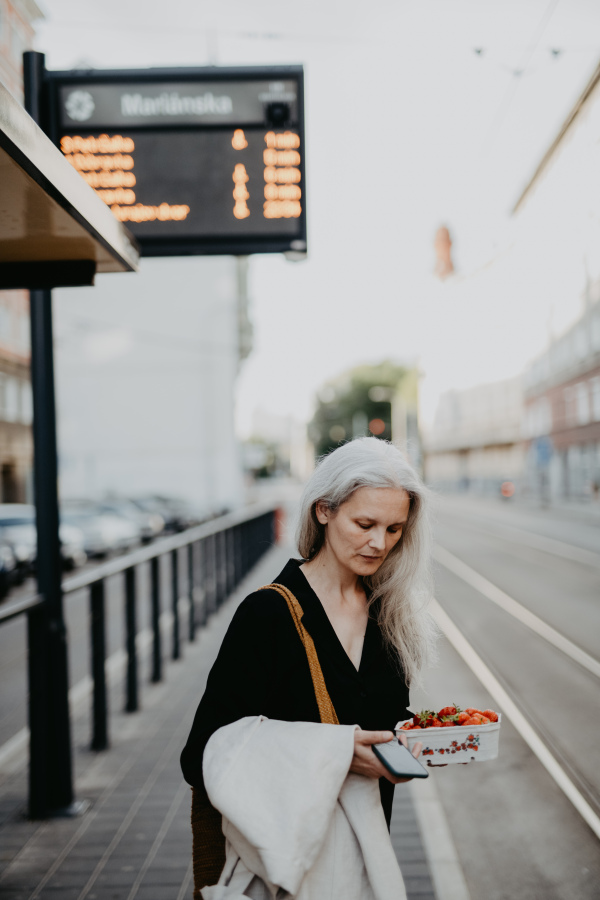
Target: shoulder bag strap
point(326, 711)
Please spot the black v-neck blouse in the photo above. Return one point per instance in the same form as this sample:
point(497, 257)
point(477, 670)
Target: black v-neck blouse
point(262, 668)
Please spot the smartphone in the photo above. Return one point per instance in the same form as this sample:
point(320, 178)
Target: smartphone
point(399, 760)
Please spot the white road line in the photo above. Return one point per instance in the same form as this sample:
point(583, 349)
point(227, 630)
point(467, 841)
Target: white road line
point(532, 539)
point(516, 717)
point(446, 871)
point(516, 609)
point(184, 890)
point(541, 542)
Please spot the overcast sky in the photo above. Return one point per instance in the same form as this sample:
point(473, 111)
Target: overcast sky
point(418, 113)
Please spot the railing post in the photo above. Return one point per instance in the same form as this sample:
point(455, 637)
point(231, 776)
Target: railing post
point(219, 568)
point(98, 639)
point(209, 575)
point(222, 567)
point(156, 637)
point(230, 560)
point(175, 602)
point(202, 581)
point(191, 589)
point(131, 697)
point(247, 534)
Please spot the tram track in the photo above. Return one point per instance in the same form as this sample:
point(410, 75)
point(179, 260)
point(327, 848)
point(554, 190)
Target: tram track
point(569, 779)
point(516, 609)
point(481, 640)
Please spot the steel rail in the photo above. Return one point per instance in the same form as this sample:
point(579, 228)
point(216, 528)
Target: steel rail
point(143, 554)
point(517, 610)
point(517, 718)
point(17, 607)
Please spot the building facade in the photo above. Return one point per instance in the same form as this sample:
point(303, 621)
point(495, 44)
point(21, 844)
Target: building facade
point(16, 443)
point(476, 440)
point(562, 411)
point(146, 368)
point(16, 36)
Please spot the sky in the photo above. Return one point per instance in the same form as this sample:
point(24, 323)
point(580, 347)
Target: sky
point(417, 114)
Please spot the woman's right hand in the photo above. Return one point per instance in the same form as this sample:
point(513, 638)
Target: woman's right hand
point(364, 761)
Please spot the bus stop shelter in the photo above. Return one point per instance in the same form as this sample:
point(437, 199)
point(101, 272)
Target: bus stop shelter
point(54, 232)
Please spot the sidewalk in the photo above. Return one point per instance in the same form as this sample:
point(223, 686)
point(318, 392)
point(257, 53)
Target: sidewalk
point(134, 841)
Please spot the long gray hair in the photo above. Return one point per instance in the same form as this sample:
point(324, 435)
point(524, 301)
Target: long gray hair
point(403, 581)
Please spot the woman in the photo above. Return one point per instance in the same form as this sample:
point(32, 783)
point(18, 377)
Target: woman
point(363, 584)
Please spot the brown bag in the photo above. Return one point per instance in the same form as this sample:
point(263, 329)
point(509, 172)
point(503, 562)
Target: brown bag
point(208, 840)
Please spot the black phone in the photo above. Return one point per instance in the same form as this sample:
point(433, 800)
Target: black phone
point(399, 760)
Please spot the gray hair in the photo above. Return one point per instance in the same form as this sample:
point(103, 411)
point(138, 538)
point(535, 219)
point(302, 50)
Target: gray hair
point(403, 581)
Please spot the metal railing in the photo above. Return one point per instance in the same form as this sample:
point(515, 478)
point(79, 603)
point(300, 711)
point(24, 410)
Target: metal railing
point(218, 554)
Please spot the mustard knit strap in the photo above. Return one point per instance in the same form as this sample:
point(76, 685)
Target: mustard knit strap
point(327, 712)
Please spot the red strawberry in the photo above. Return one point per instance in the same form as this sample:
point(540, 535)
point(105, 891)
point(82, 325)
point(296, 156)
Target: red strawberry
point(423, 718)
point(477, 719)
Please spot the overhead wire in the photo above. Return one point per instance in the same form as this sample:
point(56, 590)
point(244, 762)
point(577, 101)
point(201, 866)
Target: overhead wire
point(513, 85)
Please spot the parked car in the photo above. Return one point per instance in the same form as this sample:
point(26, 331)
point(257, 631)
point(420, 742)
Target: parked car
point(149, 524)
point(8, 568)
point(176, 513)
point(72, 546)
point(103, 532)
point(18, 527)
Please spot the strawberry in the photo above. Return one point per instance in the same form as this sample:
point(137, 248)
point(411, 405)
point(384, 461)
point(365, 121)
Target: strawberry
point(435, 723)
point(477, 719)
point(423, 718)
point(462, 718)
point(448, 723)
point(491, 715)
point(448, 711)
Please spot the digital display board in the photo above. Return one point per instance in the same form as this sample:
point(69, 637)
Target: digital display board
point(193, 161)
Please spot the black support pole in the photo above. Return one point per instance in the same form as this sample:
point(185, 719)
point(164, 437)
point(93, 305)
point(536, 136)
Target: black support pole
point(50, 738)
point(50, 767)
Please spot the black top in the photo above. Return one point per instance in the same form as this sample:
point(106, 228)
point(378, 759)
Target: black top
point(262, 668)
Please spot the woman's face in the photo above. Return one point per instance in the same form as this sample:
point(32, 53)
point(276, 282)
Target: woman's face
point(361, 533)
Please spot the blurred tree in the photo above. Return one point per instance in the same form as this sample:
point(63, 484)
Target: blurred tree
point(356, 403)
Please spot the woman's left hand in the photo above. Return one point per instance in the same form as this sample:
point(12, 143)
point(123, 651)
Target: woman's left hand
point(364, 761)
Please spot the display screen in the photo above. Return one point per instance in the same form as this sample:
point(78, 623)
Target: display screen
point(195, 167)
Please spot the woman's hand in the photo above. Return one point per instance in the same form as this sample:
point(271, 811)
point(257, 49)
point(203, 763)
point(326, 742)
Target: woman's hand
point(364, 761)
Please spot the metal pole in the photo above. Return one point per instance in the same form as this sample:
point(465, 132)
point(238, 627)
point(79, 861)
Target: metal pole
point(50, 768)
point(175, 602)
point(98, 635)
point(191, 592)
point(131, 696)
point(156, 638)
point(202, 554)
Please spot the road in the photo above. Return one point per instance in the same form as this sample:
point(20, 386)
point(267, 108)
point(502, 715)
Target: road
point(517, 831)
